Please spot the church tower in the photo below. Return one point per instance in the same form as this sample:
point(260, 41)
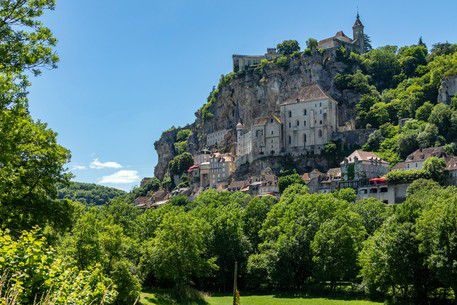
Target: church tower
point(358, 35)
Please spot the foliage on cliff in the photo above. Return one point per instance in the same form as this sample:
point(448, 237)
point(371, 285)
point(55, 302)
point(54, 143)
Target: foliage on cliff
point(400, 84)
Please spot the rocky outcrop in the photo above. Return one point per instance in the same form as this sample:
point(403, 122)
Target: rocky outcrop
point(259, 92)
point(448, 89)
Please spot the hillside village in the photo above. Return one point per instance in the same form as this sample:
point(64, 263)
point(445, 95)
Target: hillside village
point(244, 156)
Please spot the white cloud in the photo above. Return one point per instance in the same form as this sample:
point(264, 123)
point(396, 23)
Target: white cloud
point(121, 177)
point(79, 167)
point(97, 164)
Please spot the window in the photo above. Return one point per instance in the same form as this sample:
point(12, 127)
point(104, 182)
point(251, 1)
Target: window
point(304, 112)
point(290, 125)
point(320, 111)
point(384, 190)
point(271, 120)
point(304, 138)
point(320, 104)
point(290, 140)
point(298, 123)
point(290, 114)
point(320, 122)
point(272, 132)
point(304, 123)
point(319, 133)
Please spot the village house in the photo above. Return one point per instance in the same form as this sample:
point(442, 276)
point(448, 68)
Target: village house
point(362, 165)
point(416, 159)
point(380, 189)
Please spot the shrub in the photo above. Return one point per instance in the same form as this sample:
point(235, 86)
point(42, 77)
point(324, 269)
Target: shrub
point(405, 176)
point(183, 135)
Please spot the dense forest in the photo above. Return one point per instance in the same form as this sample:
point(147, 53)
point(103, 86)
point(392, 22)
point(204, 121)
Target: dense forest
point(87, 193)
point(60, 251)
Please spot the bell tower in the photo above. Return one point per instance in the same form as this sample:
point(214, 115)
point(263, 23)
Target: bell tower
point(358, 35)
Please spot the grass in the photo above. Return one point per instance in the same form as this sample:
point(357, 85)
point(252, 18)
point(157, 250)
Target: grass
point(160, 298)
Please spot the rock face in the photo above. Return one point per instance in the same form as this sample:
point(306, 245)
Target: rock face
point(259, 92)
point(448, 89)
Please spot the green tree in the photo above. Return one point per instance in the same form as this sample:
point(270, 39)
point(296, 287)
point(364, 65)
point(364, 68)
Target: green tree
point(32, 163)
point(180, 164)
point(286, 181)
point(435, 169)
point(373, 213)
point(336, 246)
point(424, 111)
point(438, 235)
point(287, 47)
point(178, 252)
point(312, 44)
point(255, 214)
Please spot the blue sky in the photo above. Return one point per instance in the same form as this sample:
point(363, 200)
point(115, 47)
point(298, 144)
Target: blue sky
point(131, 69)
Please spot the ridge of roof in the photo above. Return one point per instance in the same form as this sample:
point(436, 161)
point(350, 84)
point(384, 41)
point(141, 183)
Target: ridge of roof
point(308, 93)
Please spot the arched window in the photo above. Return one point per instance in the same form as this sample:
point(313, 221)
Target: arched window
point(319, 133)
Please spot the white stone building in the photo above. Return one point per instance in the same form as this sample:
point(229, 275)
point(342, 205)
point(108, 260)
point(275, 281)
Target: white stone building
point(221, 166)
point(267, 136)
point(363, 165)
point(309, 119)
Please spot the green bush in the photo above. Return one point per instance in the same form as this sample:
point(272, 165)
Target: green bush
point(33, 270)
point(405, 176)
point(183, 135)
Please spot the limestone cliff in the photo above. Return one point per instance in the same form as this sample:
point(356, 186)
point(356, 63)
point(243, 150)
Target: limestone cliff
point(258, 92)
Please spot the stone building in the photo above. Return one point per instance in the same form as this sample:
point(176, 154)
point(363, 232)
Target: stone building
point(305, 123)
point(416, 159)
point(340, 39)
point(309, 119)
point(241, 62)
point(267, 136)
point(362, 165)
point(221, 166)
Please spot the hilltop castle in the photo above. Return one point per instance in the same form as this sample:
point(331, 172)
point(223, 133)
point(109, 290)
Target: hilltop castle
point(357, 43)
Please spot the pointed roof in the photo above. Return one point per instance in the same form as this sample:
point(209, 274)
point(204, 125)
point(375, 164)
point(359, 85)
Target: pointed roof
point(308, 94)
point(264, 120)
point(357, 21)
point(364, 156)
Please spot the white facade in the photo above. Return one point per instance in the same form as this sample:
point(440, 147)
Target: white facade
point(308, 124)
point(305, 123)
point(220, 168)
